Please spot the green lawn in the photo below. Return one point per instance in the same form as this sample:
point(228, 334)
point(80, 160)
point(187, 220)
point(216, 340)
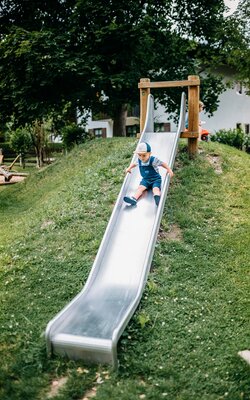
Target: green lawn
point(183, 340)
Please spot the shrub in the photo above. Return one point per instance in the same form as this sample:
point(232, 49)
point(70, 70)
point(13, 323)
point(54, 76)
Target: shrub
point(247, 143)
point(55, 147)
point(20, 140)
point(231, 137)
point(73, 134)
point(8, 152)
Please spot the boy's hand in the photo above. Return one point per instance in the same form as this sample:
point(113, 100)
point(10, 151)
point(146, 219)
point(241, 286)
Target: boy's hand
point(171, 173)
point(128, 170)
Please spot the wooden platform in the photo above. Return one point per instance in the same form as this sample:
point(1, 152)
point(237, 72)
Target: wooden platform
point(15, 179)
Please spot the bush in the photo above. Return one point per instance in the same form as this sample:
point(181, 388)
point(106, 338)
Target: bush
point(8, 152)
point(73, 134)
point(20, 140)
point(55, 147)
point(247, 143)
point(232, 137)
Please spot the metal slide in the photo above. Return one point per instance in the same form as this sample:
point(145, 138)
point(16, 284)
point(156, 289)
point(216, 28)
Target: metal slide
point(90, 326)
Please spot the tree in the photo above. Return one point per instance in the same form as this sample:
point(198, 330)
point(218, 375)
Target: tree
point(20, 141)
point(232, 49)
point(128, 40)
point(42, 71)
point(91, 55)
point(239, 56)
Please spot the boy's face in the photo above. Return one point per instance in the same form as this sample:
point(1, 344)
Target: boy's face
point(144, 157)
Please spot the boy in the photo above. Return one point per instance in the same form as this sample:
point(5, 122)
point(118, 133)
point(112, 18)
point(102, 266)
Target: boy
point(149, 170)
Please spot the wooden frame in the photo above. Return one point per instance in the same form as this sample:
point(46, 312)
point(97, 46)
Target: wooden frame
point(193, 84)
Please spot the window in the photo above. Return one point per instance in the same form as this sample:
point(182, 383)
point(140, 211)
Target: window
point(159, 127)
point(98, 132)
point(238, 125)
point(162, 126)
point(131, 130)
point(247, 128)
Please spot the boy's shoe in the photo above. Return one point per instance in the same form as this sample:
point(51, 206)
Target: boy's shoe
point(130, 200)
point(157, 199)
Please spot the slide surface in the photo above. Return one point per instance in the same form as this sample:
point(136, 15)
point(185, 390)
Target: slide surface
point(90, 326)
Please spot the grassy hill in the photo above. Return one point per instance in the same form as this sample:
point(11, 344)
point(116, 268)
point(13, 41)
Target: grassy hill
point(183, 340)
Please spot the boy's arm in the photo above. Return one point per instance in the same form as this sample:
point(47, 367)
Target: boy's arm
point(128, 170)
point(165, 165)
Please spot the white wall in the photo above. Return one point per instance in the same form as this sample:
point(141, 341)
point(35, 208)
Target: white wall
point(108, 124)
point(233, 108)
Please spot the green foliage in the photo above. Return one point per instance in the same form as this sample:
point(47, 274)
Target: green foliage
point(232, 137)
point(143, 320)
point(7, 150)
point(55, 147)
point(247, 143)
point(73, 134)
point(234, 44)
point(20, 140)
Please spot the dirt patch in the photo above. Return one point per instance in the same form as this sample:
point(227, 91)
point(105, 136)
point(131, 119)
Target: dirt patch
point(55, 386)
point(174, 233)
point(90, 394)
point(215, 161)
point(14, 179)
point(46, 224)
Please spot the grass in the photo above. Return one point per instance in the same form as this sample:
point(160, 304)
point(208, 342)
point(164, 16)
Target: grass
point(183, 340)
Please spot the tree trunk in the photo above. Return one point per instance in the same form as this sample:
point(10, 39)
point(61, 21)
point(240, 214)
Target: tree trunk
point(39, 139)
point(119, 127)
point(72, 115)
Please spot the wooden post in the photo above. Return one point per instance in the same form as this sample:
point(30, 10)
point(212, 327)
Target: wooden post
point(144, 93)
point(1, 156)
point(193, 116)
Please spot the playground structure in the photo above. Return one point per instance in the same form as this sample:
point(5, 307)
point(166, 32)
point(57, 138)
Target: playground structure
point(193, 84)
point(6, 172)
point(90, 326)
point(204, 135)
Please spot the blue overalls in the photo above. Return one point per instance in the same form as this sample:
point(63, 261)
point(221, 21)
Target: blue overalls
point(150, 177)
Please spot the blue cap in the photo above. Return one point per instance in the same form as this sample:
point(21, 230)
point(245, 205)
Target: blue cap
point(143, 147)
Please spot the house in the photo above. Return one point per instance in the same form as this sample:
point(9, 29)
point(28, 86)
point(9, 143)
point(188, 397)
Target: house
point(233, 111)
point(102, 125)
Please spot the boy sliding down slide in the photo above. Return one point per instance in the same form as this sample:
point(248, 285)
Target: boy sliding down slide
point(149, 170)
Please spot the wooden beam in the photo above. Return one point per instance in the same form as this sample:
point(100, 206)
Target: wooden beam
point(143, 84)
point(188, 135)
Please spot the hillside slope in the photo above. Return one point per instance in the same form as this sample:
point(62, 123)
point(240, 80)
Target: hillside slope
point(193, 319)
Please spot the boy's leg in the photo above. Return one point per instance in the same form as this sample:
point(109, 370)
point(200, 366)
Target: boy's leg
point(133, 199)
point(157, 193)
point(139, 192)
